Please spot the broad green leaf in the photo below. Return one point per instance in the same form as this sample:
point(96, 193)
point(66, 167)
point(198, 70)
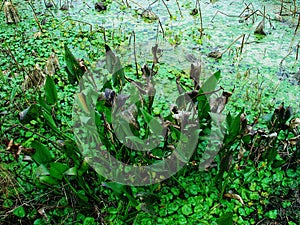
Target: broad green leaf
point(211, 83)
point(118, 76)
point(50, 121)
point(39, 221)
point(42, 154)
point(19, 212)
point(29, 114)
point(72, 151)
point(233, 124)
point(152, 122)
point(203, 107)
point(57, 170)
point(42, 171)
point(44, 105)
point(48, 180)
point(114, 66)
point(121, 190)
point(71, 172)
point(80, 98)
point(50, 91)
point(84, 167)
point(75, 72)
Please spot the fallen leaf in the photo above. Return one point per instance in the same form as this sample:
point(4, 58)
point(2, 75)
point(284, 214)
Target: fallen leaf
point(295, 123)
point(36, 79)
point(11, 13)
point(148, 14)
point(52, 64)
point(215, 54)
point(234, 196)
point(260, 28)
point(17, 149)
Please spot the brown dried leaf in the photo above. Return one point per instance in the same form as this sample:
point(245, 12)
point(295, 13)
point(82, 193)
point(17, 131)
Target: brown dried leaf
point(234, 196)
point(215, 54)
point(260, 28)
point(42, 212)
point(148, 14)
point(11, 13)
point(294, 140)
point(100, 6)
point(156, 52)
point(218, 104)
point(195, 73)
point(35, 79)
point(241, 153)
point(17, 149)
point(52, 64)
point(295, 123)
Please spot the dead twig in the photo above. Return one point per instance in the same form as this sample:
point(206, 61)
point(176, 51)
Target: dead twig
point(35, 17)
point(167, 9)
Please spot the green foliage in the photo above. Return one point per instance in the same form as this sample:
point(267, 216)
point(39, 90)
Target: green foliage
point(50, 91)
point(42, 154)
point(257, 165)
point(74, 70)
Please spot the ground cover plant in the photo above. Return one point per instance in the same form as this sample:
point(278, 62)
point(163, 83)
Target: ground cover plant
point(69, 83)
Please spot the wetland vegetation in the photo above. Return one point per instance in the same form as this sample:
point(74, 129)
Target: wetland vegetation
point(209, 87)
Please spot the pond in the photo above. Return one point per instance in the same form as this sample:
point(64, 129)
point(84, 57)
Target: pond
point(264, 70)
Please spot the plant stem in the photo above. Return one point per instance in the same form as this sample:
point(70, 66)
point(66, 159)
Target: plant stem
point(35, 17)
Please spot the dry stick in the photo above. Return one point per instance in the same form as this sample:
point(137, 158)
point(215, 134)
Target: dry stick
point(152, 3)
point(87, 5)
point(298, 24)
point(136, 4)
point(264, 16)
point(35, 17)
point(83, 11)
point(247, 7)
point(243, 35)
point(53, 3)
point(179, 8)
point(290, 51)
point(135, 59)
point(162, 29)
point(221, 13)
point(208, 93)
point(295, 8)
point(297, 51)
point(21, 68)
point(252, 14)
point(32, 131)
point(167, 8)
point(200, 17)
point(281, 7)
point(242, 45)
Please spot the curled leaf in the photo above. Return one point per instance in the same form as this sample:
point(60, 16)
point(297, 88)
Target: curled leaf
point(11, 13)
point(35, 79)
point(295, 123)
point(234, 196)
point(260, 28)
point(215, 54)
point(148, 14)
point(52, 64)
